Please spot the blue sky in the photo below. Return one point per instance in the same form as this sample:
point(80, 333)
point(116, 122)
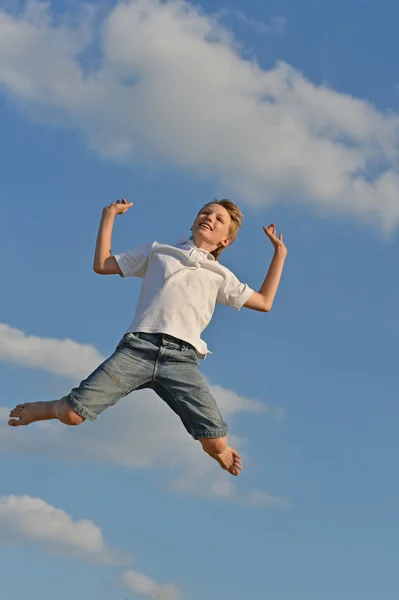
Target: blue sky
point(291, 109)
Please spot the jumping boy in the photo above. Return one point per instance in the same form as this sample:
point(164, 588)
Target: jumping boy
point(181, 285)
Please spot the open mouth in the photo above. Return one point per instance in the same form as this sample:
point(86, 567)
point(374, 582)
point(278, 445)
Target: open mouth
point(205, 226)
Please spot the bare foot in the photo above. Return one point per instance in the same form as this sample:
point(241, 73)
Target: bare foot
point(27, 413)
point(229, 460)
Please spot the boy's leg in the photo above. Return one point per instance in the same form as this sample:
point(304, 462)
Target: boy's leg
point(127, 369)
point(179, 382)
point(94, 394)
point(25, 414)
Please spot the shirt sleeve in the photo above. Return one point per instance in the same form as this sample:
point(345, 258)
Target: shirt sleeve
point(134, 262)
point(232, 292)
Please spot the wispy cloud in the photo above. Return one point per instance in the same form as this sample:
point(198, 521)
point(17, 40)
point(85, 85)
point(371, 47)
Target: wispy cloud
point(140, 432)
point(27, 520)
point(275, 24)
point(172, 84)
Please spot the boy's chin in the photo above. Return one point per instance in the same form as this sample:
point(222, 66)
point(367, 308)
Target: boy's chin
point(203, 234)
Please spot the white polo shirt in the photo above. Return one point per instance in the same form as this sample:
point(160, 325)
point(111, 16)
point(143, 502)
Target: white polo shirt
point(181, 285)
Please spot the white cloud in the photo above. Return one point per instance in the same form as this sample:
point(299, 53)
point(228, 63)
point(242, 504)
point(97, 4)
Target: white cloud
point(172, 85)
point(140, 432)
point(231, 403)
point(24, 520)
point(61, 357)
point(143, 585)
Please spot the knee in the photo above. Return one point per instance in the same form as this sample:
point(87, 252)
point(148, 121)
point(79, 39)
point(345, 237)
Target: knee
point(68, 416)
point(214, 445)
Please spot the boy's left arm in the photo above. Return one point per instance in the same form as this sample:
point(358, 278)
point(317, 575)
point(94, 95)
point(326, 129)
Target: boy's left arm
point(263, 300)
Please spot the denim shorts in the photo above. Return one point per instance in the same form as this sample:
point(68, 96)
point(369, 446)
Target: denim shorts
point(160, 362)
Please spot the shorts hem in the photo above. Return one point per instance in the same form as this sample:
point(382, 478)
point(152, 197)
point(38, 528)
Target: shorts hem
point(210, 433)
point(84, 412)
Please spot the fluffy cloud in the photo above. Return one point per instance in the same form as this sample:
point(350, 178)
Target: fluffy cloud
point(143, 585)
point(61, 357)
point(172, 85)
point(140, 432)
point(31, 520)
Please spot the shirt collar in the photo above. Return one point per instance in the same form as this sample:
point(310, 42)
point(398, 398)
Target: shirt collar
point(188, 242)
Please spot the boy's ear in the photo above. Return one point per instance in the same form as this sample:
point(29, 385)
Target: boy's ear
point(225, 242)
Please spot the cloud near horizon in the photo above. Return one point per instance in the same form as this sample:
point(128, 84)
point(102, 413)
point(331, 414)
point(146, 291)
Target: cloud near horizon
point(139, 432)
point(25, 520)
point(28, 520)
point(172, 86)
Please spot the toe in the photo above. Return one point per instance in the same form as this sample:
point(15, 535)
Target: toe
point(13, 422)
point(237, 467)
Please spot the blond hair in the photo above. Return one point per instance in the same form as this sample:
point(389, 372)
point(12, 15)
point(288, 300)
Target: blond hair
point(236, 217)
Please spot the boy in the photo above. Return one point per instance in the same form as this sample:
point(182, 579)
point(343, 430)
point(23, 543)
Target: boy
point(181, 285)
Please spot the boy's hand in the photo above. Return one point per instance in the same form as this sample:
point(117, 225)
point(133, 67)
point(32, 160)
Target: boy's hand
point(119, 207)
point(277, 242)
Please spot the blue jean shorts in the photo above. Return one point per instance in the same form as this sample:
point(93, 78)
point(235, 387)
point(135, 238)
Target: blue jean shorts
point(160, 362)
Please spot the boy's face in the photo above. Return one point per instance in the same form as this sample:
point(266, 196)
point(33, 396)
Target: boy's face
point(211, 227)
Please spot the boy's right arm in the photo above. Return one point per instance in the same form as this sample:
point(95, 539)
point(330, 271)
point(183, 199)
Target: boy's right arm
point(104, 263)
